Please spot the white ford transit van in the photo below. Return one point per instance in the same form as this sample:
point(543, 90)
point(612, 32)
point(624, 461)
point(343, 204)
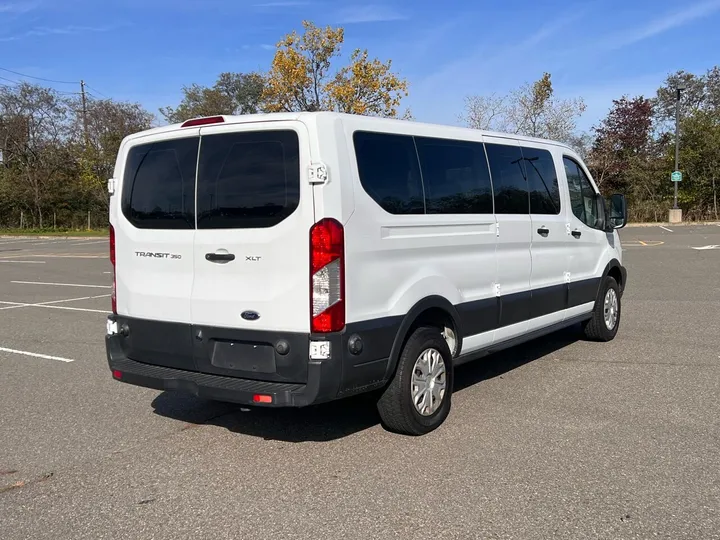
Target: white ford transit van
point(292, 259)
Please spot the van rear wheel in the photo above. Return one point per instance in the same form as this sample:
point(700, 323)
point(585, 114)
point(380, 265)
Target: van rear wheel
point(603, 325)
point(418, 399)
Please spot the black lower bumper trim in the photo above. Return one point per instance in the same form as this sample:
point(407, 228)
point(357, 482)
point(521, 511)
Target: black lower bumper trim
point(215, 387)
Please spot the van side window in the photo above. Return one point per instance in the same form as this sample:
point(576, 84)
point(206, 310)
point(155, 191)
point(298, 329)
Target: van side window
point(582, 194)
point(455, 176)
point(159, 184)
point(248, 179)
point(542, 181)
point(389, 171)
point(508, 179)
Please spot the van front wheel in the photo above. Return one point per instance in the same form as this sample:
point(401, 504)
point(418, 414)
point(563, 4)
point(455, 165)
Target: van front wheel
point(418, 399)
point(603, 325)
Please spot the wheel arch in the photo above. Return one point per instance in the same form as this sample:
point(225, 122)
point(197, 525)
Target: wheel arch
point(617, 271)
point(432, 309)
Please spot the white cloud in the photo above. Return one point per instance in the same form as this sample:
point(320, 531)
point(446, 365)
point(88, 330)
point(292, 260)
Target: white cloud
point(17, 7)
point(267, 47)
point(368, 13)
point(662, 24)
point(480, 62)
point(289, 3)
point(65, 30)
point(41, 31)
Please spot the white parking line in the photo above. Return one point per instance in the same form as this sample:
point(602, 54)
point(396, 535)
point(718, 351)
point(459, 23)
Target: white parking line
point(89, 242)
point(8, 242)
point(22, 262)
point(15, 305)
point(666, 229)
point(71, 256)
point(62, 284)
point(36, 355)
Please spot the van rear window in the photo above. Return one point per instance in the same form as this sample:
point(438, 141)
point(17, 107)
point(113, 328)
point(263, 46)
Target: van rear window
point(159, 184)
point(248, 179)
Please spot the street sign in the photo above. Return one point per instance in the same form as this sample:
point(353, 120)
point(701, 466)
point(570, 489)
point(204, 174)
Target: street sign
point(676, 176)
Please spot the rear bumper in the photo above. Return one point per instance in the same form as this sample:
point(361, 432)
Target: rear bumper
point(230, 389)
point(238, 366)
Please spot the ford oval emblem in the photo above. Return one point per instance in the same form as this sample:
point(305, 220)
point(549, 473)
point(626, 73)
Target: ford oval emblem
point(250, 315)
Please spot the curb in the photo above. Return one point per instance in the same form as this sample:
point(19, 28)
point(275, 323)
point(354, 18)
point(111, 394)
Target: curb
point(43, 237)
point(668, 224)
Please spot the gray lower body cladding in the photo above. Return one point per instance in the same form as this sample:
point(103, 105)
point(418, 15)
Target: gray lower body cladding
point(236, 364)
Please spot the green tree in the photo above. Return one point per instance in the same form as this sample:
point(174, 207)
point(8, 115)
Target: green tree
point(700, 161)
point(302, 77)
point(533, 110)
point(699, 141)
point(232, 93)
point(701, 92)
point(33, 142)
point(108, 123)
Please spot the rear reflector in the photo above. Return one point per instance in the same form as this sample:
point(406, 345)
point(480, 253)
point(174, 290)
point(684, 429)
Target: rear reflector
point(258, 398)
point(117, 374)
point(204, 121)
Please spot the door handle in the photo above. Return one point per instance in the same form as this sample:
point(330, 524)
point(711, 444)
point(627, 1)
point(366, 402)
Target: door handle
point(542, 231)
point(219, 257)
point(576, 234)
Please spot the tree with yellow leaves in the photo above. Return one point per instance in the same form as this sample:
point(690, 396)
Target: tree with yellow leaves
point(300, 78)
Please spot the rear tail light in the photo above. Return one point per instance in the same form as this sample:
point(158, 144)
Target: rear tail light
point(113, 296)
point(327, 271)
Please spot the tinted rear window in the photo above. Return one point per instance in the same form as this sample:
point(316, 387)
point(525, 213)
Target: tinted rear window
point(389, 171)
point(159, 184)
point(508, 178)
point(455, 175)
point(542, 181)
point(248, 180)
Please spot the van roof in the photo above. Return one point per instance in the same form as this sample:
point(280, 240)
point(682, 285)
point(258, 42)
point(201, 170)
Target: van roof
point(382, 123)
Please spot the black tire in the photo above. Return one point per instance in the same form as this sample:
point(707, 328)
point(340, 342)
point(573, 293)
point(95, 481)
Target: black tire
point(396, 408)
point(595, 329)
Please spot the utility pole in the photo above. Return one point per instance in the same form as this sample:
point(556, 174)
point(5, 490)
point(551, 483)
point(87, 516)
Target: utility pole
point(84, 110)
point(675, 212)
point(677, 140)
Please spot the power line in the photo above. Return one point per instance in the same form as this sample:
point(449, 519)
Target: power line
point(9, 80)
point(96, 90)
point(37, 78)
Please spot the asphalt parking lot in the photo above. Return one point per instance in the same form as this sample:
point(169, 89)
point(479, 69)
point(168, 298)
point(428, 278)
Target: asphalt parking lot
point(558, 438)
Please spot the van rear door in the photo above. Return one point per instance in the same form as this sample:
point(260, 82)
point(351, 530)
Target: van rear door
point(254, 213)
point(153, 216)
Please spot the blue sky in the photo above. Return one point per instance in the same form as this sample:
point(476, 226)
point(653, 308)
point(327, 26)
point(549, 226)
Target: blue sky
point(146, 50)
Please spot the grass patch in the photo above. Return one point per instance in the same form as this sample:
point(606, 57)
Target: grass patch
point(53, 232)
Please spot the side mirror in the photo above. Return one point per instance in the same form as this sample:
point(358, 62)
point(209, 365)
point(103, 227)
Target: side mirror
point(617, 216)
point(600, 212)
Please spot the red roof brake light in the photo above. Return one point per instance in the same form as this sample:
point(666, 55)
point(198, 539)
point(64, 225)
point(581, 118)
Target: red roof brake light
point(204, 121)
